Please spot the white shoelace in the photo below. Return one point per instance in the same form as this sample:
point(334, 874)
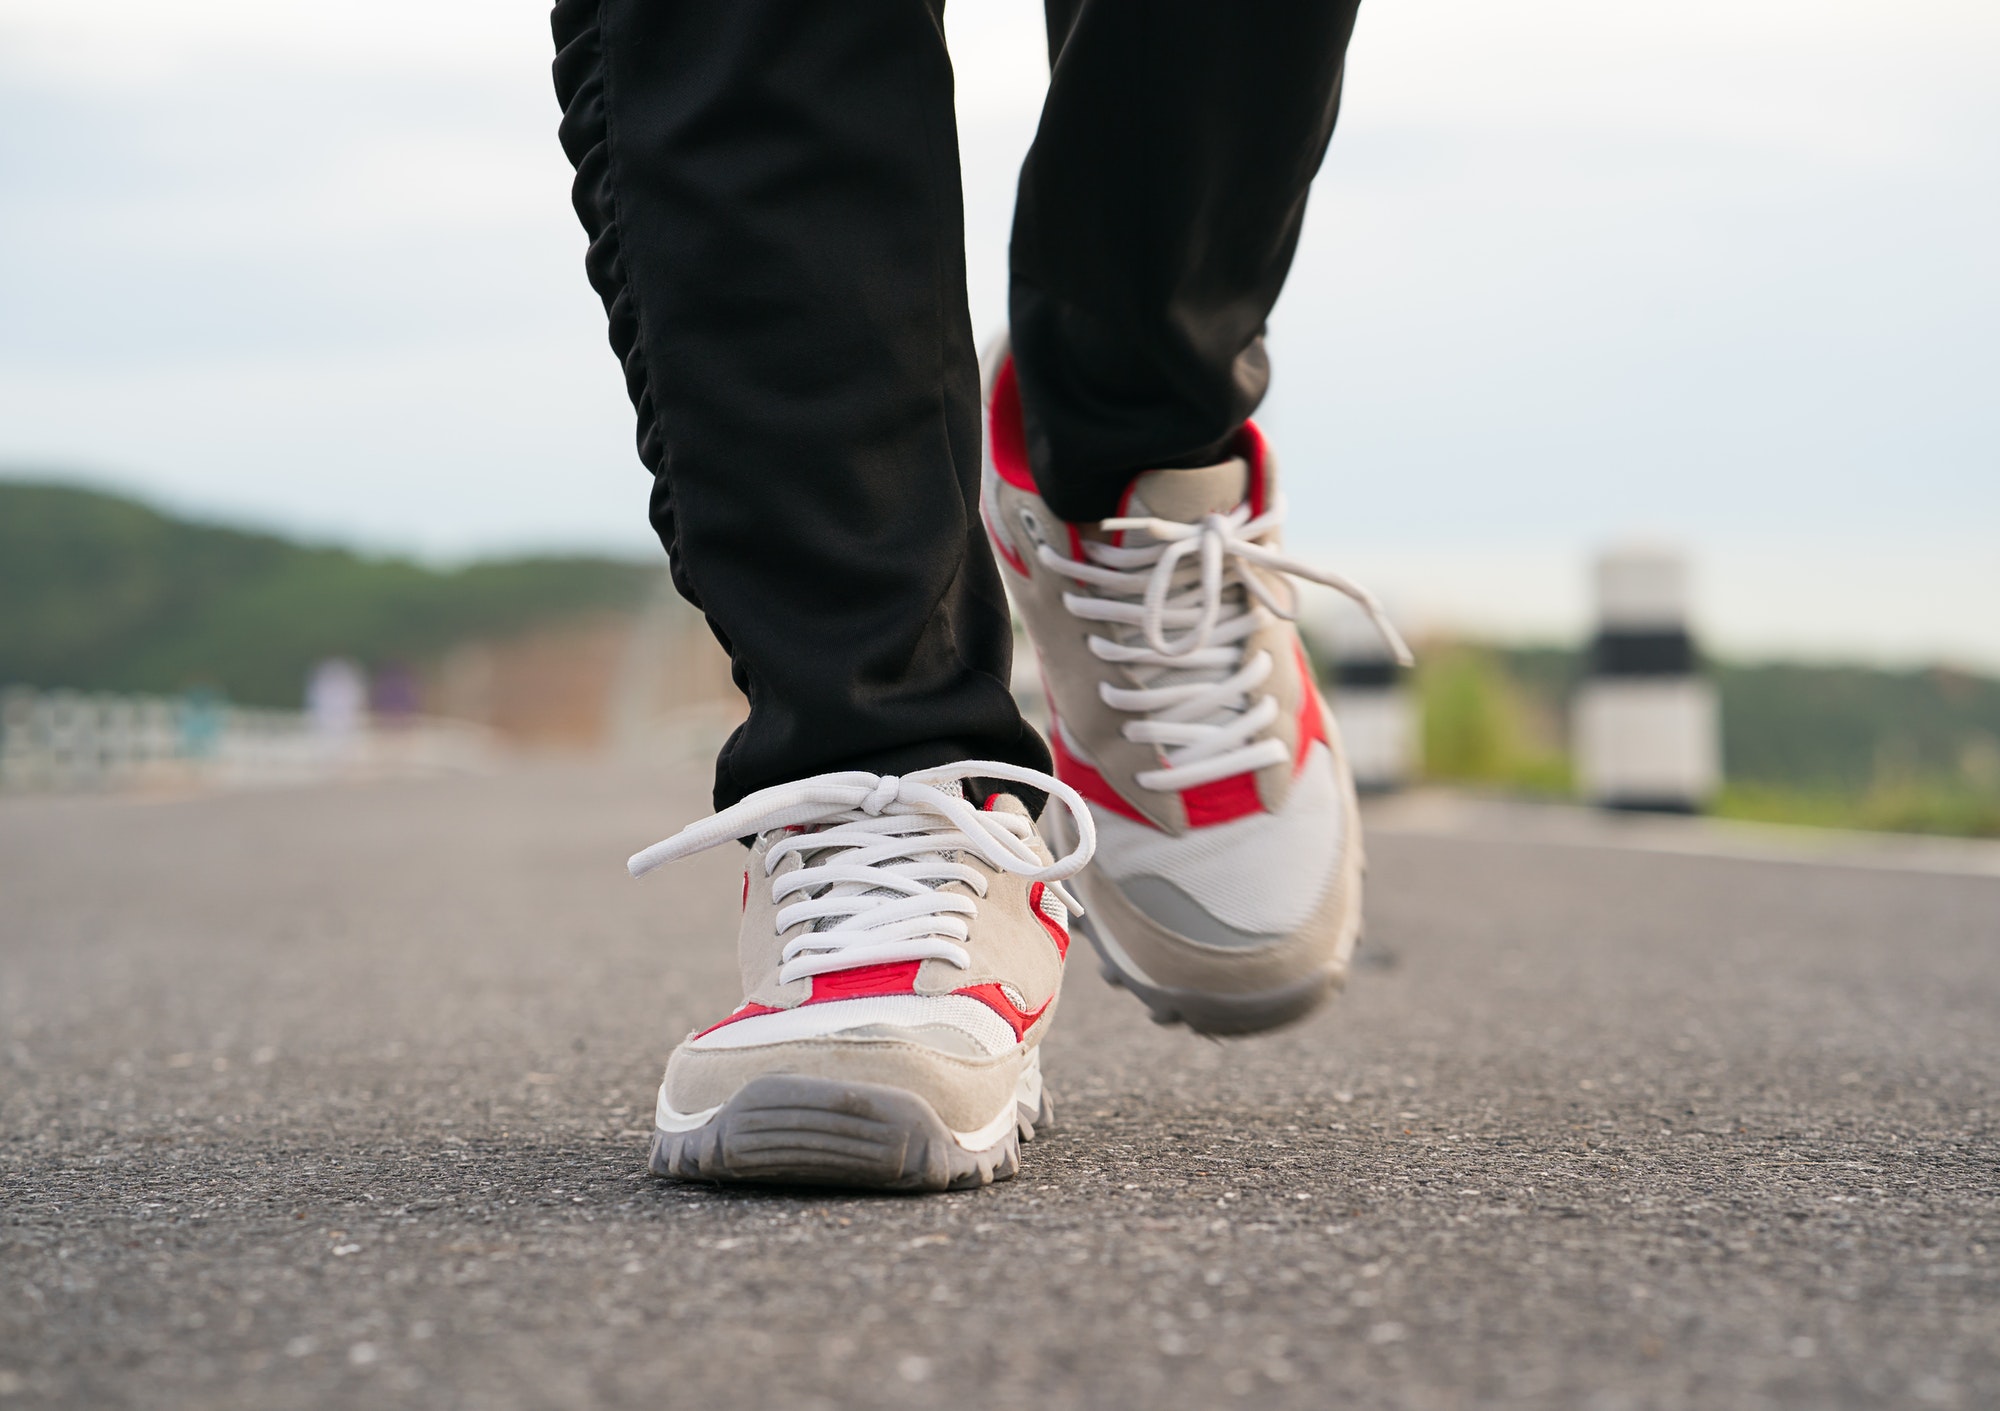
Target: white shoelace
point(880, 850)
point(1204, 580)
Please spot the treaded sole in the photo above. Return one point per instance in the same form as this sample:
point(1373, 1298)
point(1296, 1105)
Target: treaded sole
point(1218, 1015)
point(783, 1130)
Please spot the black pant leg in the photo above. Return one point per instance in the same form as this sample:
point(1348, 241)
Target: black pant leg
point(1158, 212)
point(772, 197)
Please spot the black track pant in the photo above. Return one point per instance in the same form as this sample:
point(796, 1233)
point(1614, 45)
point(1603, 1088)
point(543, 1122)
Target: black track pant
point(771, 191)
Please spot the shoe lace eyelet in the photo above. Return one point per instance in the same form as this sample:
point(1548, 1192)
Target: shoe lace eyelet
point(1031, 525)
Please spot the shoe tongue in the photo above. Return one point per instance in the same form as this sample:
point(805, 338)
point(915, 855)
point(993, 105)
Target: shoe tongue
point(1186, 495)
point(954, 787)
point(1001, 801)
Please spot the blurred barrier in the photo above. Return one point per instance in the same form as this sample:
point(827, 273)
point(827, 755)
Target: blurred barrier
point(1372, 703)
point(1646, 731)
point(70, 741)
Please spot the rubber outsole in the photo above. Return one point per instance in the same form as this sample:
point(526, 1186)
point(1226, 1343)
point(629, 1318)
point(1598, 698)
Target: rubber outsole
point(1217, 1015)
point(782, 1130)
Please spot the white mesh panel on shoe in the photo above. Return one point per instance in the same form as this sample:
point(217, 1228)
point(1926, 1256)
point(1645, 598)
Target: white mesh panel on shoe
point(1265, 873)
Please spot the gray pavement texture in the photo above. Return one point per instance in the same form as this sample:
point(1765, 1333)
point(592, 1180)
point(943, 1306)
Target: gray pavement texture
point(340, 1098)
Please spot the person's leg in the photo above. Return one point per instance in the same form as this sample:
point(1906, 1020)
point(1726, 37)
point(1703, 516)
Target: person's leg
point(1158, 213)
point(1157, 216)
point(771, 192)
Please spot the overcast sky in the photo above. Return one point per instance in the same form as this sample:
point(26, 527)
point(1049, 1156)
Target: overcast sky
point(1716, 272)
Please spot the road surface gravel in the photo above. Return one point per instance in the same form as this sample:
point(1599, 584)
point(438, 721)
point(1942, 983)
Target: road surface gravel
point(339, 1097)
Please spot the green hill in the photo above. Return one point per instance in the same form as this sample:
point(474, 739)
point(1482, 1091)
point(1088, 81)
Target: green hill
point(101, 592)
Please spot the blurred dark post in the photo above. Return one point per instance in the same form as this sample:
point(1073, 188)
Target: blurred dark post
point(1372, 703)
point(1645, 723)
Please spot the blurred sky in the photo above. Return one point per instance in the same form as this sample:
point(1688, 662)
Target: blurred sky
point(1722, 273)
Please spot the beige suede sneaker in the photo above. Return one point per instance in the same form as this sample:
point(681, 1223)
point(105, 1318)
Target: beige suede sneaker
point(901, 951)
point(1226, 890)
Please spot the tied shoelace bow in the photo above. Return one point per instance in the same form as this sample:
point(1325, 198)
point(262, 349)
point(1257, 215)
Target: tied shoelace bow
point(1204, 580)
point(877, 854)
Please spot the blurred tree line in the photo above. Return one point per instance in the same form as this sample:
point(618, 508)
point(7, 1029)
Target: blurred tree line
point(100, 592)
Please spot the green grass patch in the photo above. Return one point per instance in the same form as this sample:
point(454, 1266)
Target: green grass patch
point(1482, 725)
point(1947, 807)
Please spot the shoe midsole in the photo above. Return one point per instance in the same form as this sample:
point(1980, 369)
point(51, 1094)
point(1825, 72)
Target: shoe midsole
point(1027, 1097)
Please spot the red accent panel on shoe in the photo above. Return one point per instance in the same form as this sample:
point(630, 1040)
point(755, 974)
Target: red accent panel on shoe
point(1000, 544)
point(1312, 713)
point(1056, 933)
point(746, 891)
point(748, 1011)
point(1221, 800)
point(1005, 435)
point(895, 978)
point(1087, 781)
point(995, 999)
point(1255, 453)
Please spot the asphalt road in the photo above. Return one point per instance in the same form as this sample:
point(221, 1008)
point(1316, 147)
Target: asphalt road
point(339, 1098)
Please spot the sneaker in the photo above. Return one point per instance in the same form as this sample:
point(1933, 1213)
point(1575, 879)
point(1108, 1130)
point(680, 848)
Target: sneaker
point(901, 953)
point(1226, 891)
